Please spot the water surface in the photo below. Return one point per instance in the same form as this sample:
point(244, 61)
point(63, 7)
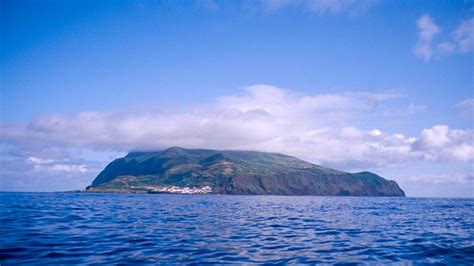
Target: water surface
point(132, 228)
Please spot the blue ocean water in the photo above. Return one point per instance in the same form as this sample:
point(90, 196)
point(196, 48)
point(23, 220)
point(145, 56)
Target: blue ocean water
point(46, 228)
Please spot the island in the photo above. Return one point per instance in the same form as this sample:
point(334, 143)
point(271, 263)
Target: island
point(201, 171)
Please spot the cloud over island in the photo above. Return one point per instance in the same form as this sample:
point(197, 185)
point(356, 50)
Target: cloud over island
point(320, 128)
point(263, 117)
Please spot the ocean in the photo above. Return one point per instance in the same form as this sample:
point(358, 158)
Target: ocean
point(69, 228)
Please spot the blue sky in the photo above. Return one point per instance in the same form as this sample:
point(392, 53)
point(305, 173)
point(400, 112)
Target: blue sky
point(82, 82)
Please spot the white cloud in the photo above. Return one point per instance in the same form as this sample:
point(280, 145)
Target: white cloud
point(375, 132)
point(464, 36)
point(436, 136)
point(446, 48)
point(61, 168)
point(427, 29)
point(456, 178)
point(467, 109)
point(272, 5)
point(35, 160)
point(55, 166)
point(466, 103)
point(319, 128)
point(414, 108)
point(321, 7)
point(461, 39)
point(47, 174)
point(339, 6)
point(442, 143)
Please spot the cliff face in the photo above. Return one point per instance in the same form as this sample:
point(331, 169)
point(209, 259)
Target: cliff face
point(235, 172)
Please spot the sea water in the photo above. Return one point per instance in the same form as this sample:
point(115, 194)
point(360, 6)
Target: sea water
point(80, 228)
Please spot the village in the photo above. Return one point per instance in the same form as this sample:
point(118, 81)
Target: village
point(177, 190)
